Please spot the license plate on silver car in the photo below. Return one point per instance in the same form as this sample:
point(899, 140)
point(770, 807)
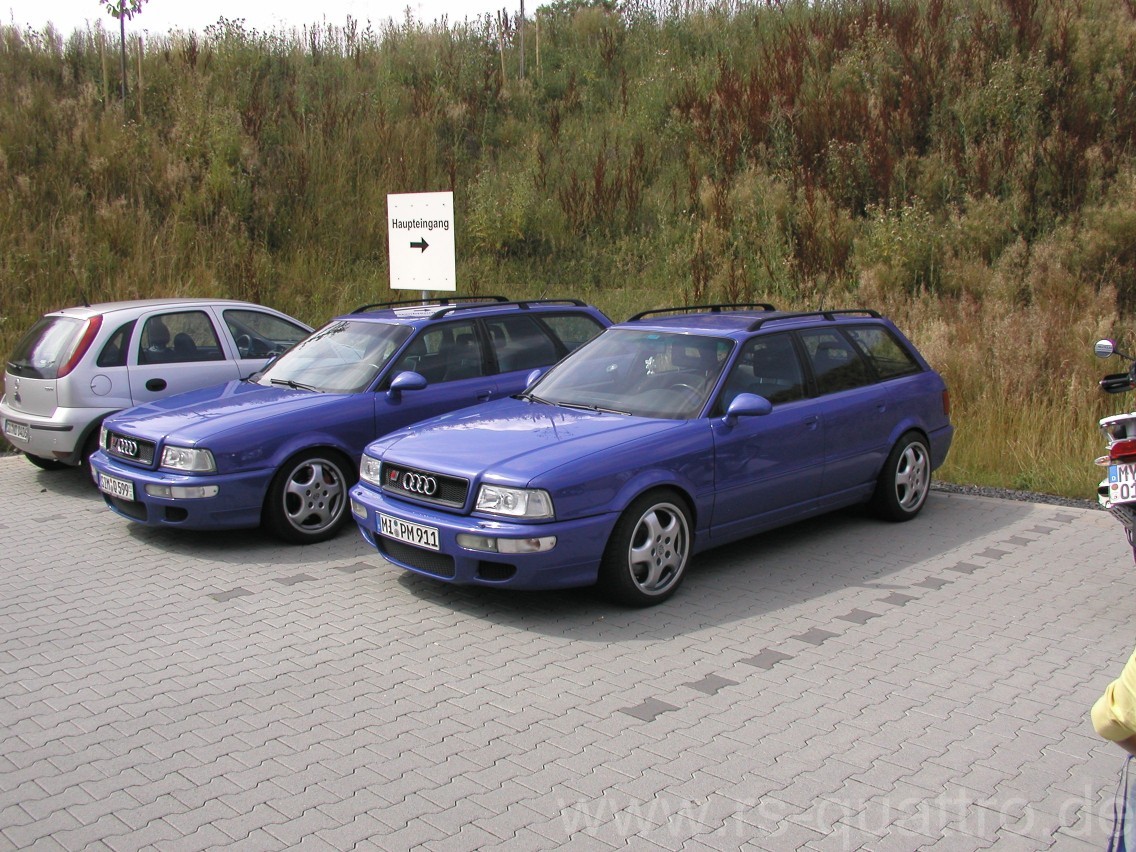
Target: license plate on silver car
point(416, 534)
point(115, 487)
point(18, 431)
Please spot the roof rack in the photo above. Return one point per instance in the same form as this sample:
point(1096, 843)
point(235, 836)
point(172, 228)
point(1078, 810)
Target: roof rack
point(712, 309)
point(523, 304)
point(423, 302)
point(828, 315)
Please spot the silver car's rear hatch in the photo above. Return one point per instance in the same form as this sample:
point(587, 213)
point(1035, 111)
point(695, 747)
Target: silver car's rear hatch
point(33, 369)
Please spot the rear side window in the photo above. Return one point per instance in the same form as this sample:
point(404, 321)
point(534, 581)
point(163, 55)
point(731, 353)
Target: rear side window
point(259, 335)
point(179, 337)
point(48, 345)
point(113, 353)
point(837, 364)
point(520, 343)
point(889, 358)
point(574, 330)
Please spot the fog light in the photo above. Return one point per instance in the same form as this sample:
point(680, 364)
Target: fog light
point(358, 509)
point(182, 492)
point(539, 544)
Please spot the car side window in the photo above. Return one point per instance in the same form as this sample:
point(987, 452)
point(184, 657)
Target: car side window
point(178, 338)
point(573, 330)
point(445, 353)
point(521, 343)
point(767, 366)
point(114, 351)
point(259, 335)
point(836, 364)
point(889, 358)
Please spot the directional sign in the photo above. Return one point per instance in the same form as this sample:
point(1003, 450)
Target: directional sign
point(421, 239)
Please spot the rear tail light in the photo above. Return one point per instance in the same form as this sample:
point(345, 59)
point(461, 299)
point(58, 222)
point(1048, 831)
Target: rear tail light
point(946, 402)
point(85, 341)
point(1123, 450)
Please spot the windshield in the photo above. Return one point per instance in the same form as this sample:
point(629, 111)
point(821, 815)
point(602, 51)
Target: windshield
point(342, 357)
point(642, 373)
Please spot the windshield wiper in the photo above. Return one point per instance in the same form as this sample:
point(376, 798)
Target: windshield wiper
point(532, 397)
point(596, 408)
point(294, 385)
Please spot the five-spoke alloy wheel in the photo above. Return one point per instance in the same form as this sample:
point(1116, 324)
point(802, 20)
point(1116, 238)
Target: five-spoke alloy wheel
point(646, 556)
point(307, 500)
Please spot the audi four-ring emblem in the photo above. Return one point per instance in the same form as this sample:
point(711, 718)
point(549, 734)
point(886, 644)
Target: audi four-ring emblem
point(418, 483)
point(126, 447)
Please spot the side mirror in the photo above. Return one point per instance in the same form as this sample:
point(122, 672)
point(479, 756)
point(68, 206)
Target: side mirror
point(748, 405)
point(530, 380)
point(1104, 348)
point(406, 381)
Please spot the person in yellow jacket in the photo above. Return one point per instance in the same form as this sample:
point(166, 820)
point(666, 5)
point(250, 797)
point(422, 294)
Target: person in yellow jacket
point(1114, 714)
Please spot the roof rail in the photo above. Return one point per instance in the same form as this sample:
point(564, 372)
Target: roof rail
point(712, 309)
point(828, 315)
point(523, 304)
point(423, 302)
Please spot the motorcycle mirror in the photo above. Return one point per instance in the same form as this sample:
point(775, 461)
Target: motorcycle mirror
point(1104, 348)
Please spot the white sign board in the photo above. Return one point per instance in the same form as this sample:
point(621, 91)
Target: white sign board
point(421, 240)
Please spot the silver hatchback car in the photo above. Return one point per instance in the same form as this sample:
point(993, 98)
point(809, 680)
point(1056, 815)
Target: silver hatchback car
point(78, 365)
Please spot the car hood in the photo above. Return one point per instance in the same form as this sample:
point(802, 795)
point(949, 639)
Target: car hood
point(197, 415)
point(514, 440)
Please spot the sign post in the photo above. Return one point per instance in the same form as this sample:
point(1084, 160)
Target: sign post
point(420, 236)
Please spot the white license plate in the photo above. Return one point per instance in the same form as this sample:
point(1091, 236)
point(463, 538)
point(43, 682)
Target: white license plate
point(18, 431)
point(415, 534)
point(116, 487)
point(1121, 483)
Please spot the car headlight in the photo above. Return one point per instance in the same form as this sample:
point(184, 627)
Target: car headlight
point(514, 502)
point(102, 437)
point(369, 469)
point(185, 458)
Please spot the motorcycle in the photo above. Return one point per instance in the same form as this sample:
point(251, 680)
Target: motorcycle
point(1117, 492)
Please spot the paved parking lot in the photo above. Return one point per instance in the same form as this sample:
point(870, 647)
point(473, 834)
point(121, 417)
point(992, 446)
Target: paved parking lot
point(845, 684)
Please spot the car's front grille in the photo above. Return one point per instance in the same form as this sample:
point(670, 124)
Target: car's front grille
point(424, 485)
point(429, 561)
point(132, 449)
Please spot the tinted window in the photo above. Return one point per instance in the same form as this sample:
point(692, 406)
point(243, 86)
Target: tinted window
point(889, 358)
point(520, 343)
point(259, 335)
point(180, 337)
point(45, 348)
point(767, 366)
point(836, 363)
point(113, 353)
point(445, 353)
point(573, 330)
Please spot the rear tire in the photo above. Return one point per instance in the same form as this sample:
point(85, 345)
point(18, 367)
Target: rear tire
point(645, 560)
point(905, 481)
point(307, 500)
point(46, 464)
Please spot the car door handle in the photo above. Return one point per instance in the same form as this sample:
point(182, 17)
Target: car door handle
point(485, 395)
point(811, 422)
point(155, 385)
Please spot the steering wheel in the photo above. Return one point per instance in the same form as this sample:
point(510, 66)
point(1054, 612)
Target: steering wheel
point(244, 345)
point(683, 386)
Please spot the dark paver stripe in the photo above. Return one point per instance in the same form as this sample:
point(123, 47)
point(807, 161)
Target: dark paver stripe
point(814, 636)
point(293, 580)
point(859, 616)
point(964, 568)
point(238, 592)
point(649, 709)
point(711, 684)
point(767, 659)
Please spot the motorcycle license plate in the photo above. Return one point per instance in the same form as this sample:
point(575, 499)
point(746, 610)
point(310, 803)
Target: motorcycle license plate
point(1122, 483)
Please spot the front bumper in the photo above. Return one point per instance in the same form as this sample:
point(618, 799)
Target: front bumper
point(237, 504)
point(573, 561)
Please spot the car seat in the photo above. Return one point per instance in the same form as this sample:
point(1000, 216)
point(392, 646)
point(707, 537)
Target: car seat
point(185, 349)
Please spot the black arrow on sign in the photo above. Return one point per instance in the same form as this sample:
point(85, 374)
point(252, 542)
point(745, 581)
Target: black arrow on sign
point(421, 244)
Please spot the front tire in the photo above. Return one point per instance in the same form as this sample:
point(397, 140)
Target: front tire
point(905, 481)
point(645, 560)
point(307, 500)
